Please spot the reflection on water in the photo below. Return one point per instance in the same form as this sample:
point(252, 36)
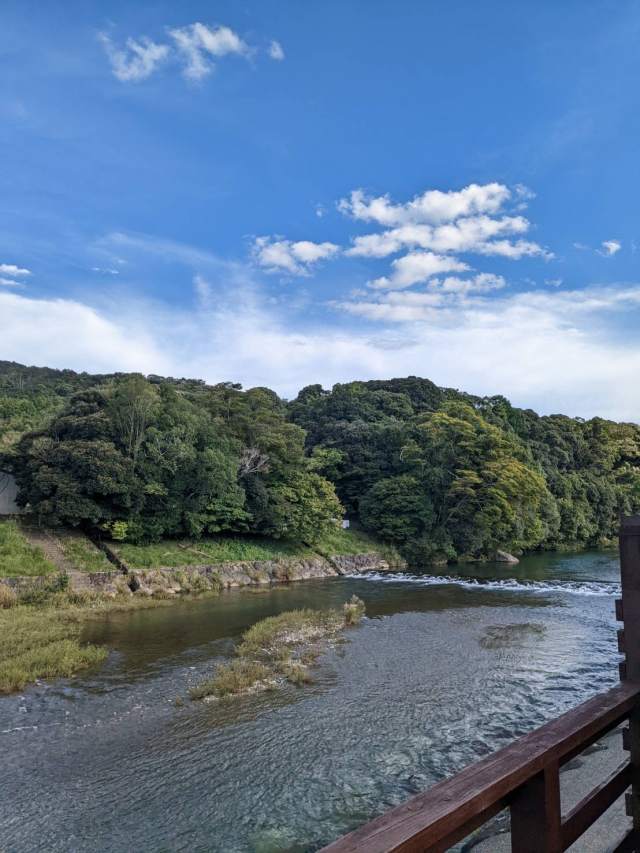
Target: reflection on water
point(441, 672)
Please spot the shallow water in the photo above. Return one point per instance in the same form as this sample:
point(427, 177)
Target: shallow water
point(443, 670)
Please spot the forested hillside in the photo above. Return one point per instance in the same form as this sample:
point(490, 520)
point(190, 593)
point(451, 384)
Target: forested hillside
point(440, 473)
point(443, 473)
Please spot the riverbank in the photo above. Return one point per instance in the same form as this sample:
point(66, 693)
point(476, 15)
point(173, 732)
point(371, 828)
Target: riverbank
point(43, 609)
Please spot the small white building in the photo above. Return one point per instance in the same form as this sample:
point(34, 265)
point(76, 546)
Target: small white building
point(8, 492)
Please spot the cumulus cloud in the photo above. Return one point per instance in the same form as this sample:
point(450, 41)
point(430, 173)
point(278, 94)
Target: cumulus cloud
point(137, 60)
point(472, 234)
point(275, 51)
point(13, 270)
point(10, 282)
point(563, 350)
point(433, 206)
point(430, 235)
point(416, 267)
point(294, 257)
point(610, 247)
point(198, 43)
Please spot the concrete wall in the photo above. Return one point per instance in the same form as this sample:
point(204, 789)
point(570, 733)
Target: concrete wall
point(8, 492)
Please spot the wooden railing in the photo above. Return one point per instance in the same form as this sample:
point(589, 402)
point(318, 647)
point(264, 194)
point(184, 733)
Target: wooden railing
point(524, 776)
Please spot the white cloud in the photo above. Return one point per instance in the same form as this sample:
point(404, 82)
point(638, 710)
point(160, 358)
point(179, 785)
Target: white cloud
point(610, 247)
point(198, 43)
point(431, 234)
point(13, 270)
point(9, 282)
point(433, 206)
point(195, 46)
point(105, 270)
point(62, 333)
point(472, 234)
point(275, 51)
point(554, 351)
point(137, 61)
point(607, 249)
point(294, 257)
point(416, 267)
point(482, 283)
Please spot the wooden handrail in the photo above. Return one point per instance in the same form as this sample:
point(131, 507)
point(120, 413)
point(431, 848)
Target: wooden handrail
point(525, 776)
point(449, 811)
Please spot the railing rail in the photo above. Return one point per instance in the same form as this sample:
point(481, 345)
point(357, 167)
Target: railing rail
point(524, 776)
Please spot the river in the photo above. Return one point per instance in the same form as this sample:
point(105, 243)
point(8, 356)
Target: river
point(442, 671)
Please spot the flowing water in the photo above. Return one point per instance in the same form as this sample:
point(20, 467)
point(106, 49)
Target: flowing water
point(442, 671)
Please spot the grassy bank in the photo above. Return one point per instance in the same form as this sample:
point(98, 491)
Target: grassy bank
point(278, 649)
point(40, 631)
point(17, 556)
point(221, 549)
point(353, 541)
point(41, 642)
point(81, 553)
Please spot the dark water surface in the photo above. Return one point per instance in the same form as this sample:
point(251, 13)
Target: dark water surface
point(443, 670)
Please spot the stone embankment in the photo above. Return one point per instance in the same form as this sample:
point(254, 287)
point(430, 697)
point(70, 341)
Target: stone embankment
point(248, 573)
point(166, 581)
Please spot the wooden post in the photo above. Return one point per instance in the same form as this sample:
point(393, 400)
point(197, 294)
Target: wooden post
point(629, 641)
point(535, 814)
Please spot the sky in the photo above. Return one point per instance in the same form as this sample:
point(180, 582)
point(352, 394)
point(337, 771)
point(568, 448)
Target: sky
point(282, 193)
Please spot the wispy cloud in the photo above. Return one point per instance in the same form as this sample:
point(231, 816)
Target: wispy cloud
point(275, 51)
point(199, 45)
point(137, 60)
point(242, 337)
point(196, 48)
point(607, 249)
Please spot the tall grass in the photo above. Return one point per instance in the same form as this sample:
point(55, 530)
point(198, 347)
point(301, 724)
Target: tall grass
point(82, 553)
point(41, 643)
point(219, 549)
point(17, 556)
point(278, 649)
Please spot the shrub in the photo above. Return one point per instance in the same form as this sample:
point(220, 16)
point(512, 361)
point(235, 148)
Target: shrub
point(353, 611)
point(8, 597)
point(231, 678)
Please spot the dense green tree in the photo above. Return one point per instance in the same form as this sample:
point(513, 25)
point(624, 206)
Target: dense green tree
point(143, 460)
point(436, 470)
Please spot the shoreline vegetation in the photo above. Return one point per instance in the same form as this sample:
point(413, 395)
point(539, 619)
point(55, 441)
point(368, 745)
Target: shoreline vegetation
point(41, 622)
point(278, 650)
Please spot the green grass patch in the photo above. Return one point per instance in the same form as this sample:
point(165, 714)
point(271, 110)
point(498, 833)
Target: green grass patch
point(223, 549)
point(82, 553)
point(279, 649)
point(41, 643)
point(339, 542)
point(239, 676)
point(218, 549)
point(273, 638)
point(17, 556)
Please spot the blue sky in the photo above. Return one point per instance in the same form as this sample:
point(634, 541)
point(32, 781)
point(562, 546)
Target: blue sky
point(281, 193)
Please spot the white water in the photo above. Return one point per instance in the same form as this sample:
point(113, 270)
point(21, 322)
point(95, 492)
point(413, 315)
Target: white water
point(505, 584)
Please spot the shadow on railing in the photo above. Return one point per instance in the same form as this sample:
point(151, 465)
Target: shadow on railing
point(524, 776)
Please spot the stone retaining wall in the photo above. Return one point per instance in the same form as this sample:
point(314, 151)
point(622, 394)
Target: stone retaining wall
point(166, 579)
